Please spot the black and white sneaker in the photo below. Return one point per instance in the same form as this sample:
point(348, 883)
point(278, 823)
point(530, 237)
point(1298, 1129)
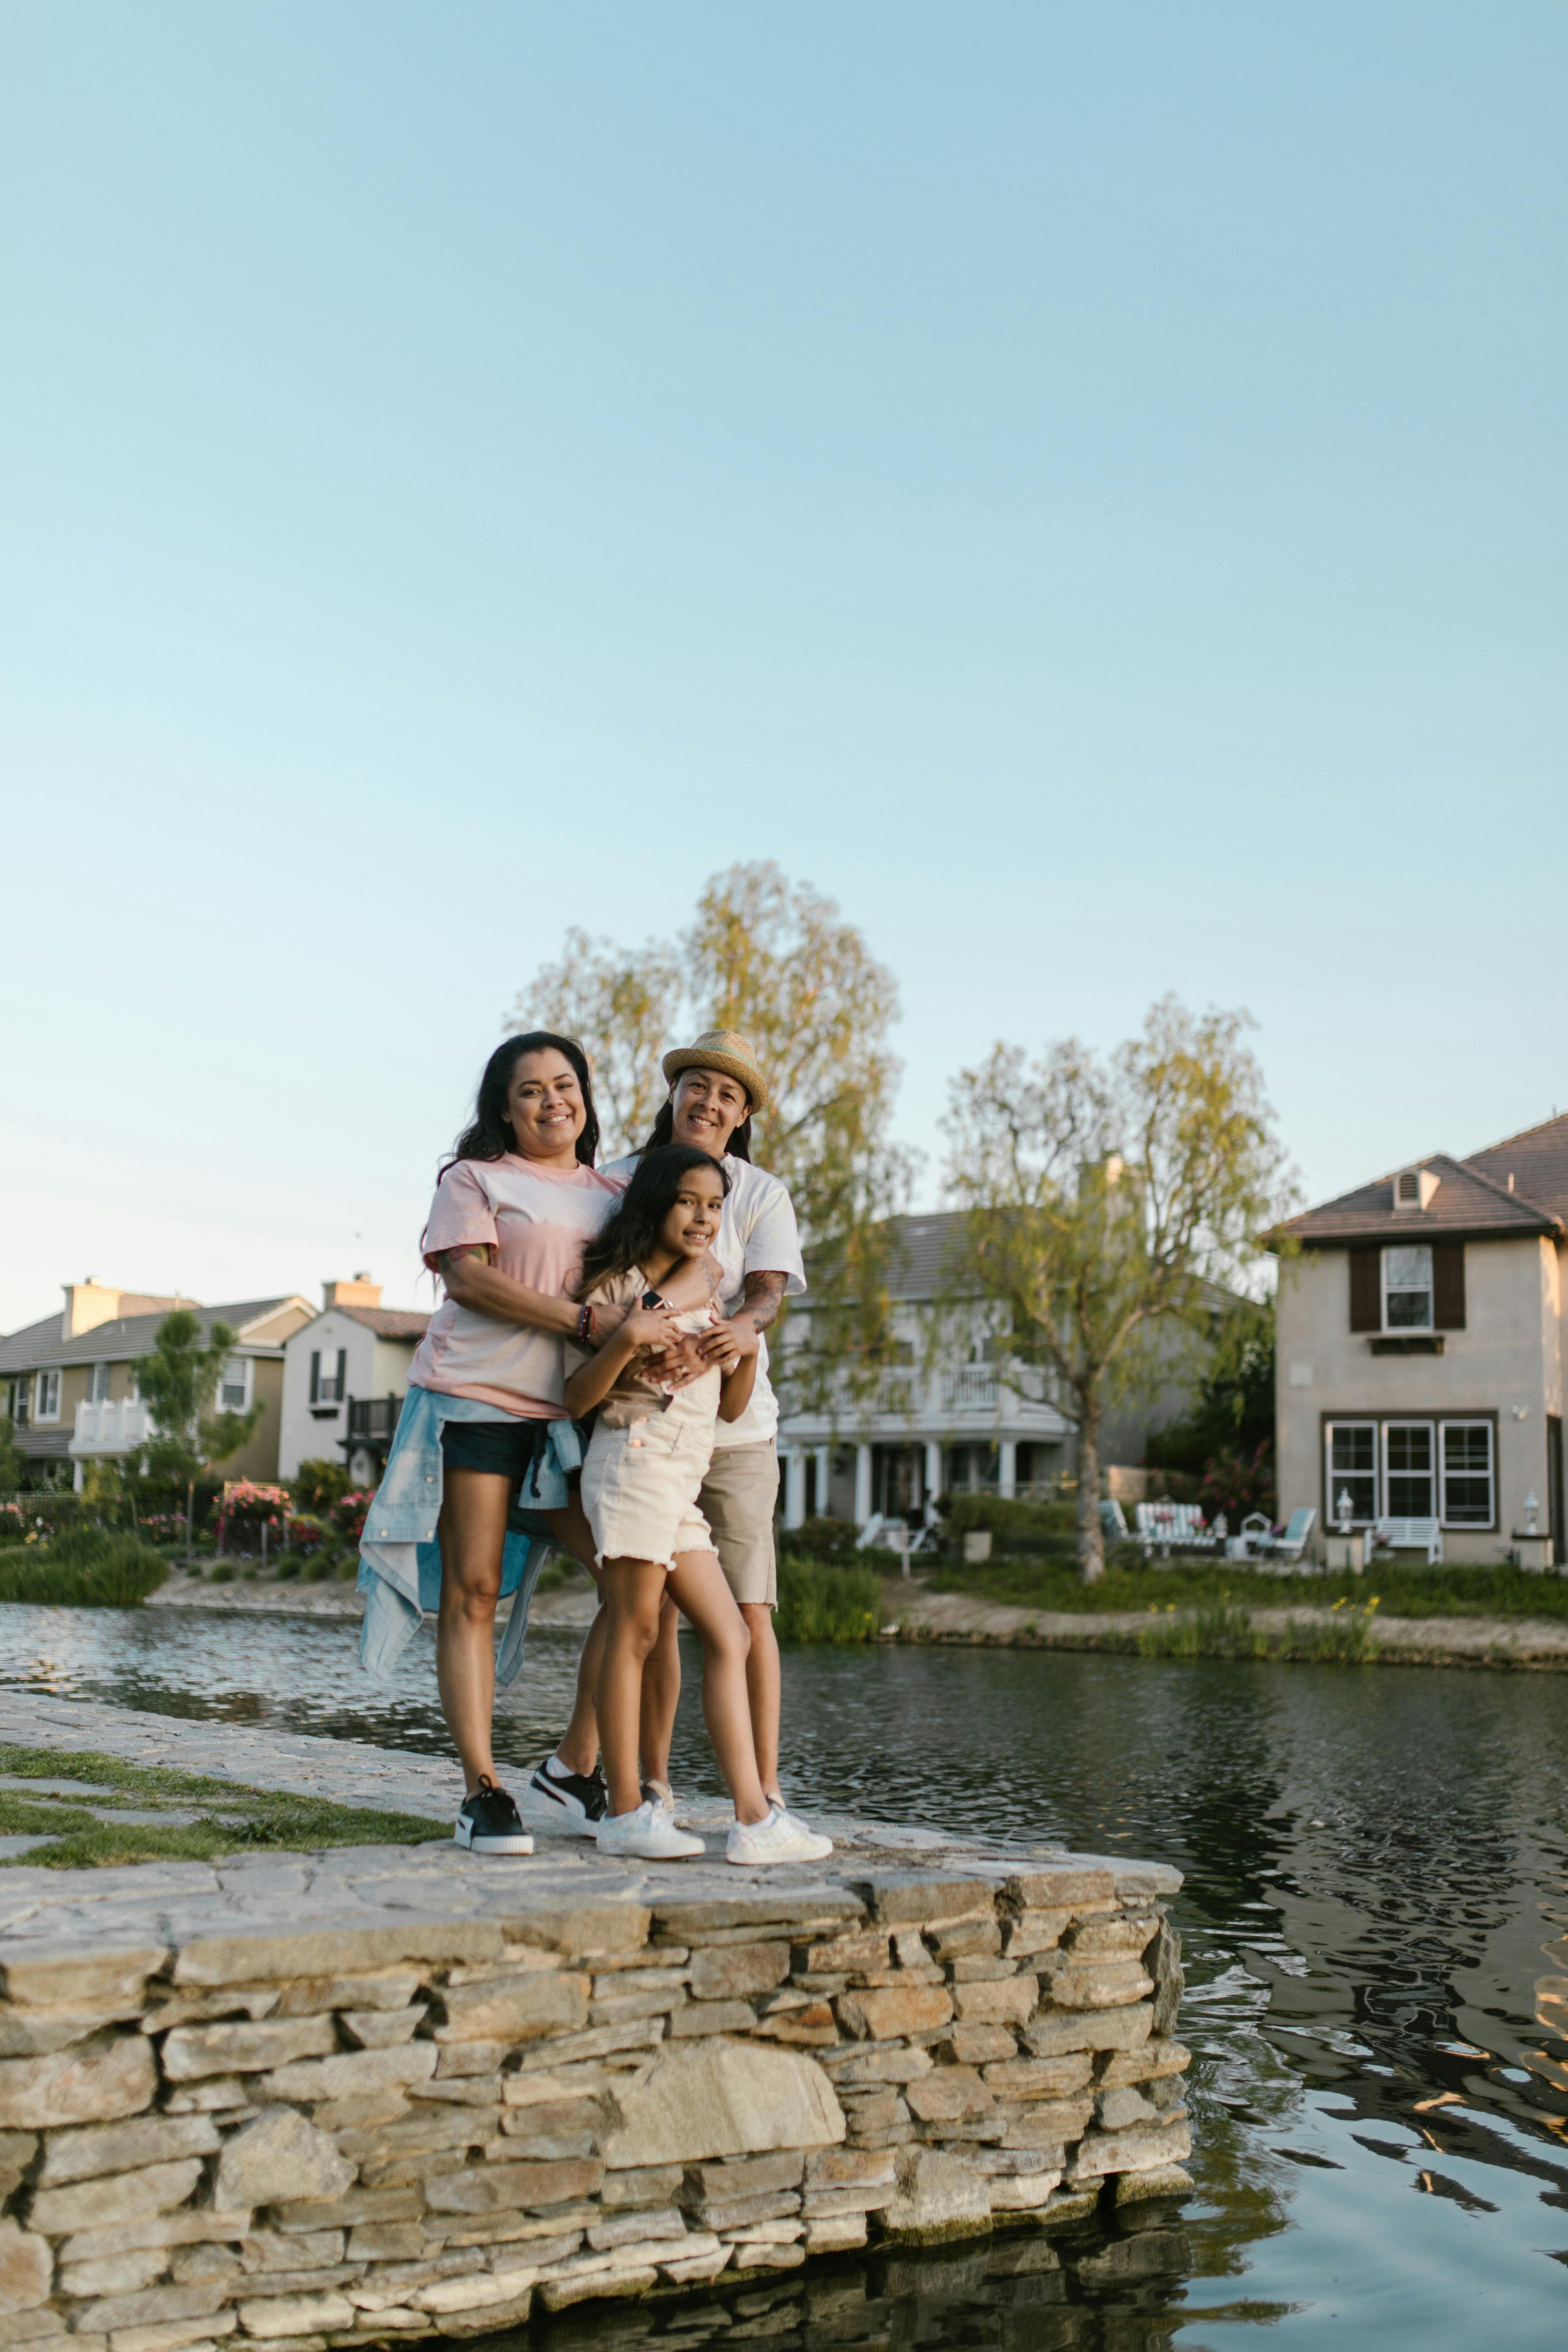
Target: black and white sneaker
point(490, 1822)
point(581, 1798)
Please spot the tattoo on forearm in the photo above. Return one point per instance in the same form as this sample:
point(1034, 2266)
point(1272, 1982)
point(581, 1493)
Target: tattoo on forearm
point(765, 1295)
point(449, 1258)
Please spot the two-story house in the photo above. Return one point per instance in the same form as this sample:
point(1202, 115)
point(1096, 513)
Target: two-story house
point(1421, 1347)
point(69, 1383)
point(345, 1374)
point(950, 1413)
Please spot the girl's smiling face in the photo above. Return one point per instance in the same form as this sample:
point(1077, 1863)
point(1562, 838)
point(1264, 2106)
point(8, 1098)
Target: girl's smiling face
point(546, 1106)
point(691, 1226)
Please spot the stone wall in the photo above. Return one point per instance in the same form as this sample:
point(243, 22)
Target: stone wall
point(420, 2127)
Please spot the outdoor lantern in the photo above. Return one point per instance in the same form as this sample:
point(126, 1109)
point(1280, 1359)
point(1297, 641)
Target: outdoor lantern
point(1531, 1509)
point(1344, 1507)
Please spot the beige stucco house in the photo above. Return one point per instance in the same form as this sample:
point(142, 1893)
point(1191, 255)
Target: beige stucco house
point(1421, 1348)
point(69, 1383)
point(345, 1374)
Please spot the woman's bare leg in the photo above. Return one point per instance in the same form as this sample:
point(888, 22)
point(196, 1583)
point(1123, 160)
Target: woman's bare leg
point(471, 1532)
point(633, 1595)
point(696, 1583)
point(763, 1692)
point(579, 1746)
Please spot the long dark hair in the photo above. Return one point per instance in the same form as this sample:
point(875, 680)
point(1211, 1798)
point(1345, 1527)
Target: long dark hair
point(489, 1135)
point(631, 1233)
point(661, 1139)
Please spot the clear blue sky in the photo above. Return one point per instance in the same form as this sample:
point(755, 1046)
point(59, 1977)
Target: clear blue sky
point(1083, 487)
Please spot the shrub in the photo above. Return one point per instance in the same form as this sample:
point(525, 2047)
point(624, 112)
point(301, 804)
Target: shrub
point(317, 1569)
point(822, 1539)
point(305, 1535)
point(1237, 1483)
point(224, 1572)
point(822, 1603)
point(248, 1508)
point(1007, 1518)
point(88, 1569)
point(289, 1566)
point(347, 1514)
point(319, 1484)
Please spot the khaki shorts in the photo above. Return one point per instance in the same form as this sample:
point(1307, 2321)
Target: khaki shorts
point(738, 1498)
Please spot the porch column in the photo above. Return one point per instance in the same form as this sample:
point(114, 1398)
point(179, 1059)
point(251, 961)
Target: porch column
point(862, 1484)
point(824, 1477)
point(794, 1487)
point(1007, 1466)
point(933, 1476)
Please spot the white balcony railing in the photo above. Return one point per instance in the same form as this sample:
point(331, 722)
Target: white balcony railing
point(113, 1427)
point(970, 1388)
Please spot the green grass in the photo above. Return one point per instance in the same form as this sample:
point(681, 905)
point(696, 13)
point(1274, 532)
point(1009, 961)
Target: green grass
point(822, 1603)
point(86, 1568)
point(1498, 1591)
point(243, 1820)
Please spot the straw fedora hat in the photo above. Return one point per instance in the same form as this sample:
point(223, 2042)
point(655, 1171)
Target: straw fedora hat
point(720, 1049)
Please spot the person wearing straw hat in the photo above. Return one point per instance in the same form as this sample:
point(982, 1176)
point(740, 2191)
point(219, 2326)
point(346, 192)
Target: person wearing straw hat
point(716, 1087)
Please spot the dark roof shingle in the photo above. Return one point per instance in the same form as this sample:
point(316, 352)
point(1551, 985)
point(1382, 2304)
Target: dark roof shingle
point(125, 1335)
point(1473, 1199)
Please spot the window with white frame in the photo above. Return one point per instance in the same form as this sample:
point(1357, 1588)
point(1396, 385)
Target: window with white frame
point(1409, 1467)
point(234, 1390)
point(1408, 1294)
point(328, 1376)
point(47, 1396)
point(1352, 1471)
point(1467, 1474)
point(21, 1396)
point(98, 1385)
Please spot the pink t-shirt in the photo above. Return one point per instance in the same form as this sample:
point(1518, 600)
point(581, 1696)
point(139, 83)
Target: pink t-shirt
point(538, 1220)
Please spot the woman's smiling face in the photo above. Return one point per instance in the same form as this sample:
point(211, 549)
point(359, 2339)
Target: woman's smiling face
point(546, 1106)
point(706, 1107)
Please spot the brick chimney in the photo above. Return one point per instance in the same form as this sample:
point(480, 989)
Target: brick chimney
point(361, 1292)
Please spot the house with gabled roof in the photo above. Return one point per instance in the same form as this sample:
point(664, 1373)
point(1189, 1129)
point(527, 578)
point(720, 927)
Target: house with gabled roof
point(68, 1382)
point(1421, 1348)
point(345, 1378)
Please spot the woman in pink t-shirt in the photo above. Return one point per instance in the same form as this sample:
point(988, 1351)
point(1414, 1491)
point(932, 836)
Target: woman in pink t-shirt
point(513, 1211)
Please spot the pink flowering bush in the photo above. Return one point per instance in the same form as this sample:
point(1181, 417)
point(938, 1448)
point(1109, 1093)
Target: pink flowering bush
point(247, 1507)
point(306, 1535)
point(348, 1513)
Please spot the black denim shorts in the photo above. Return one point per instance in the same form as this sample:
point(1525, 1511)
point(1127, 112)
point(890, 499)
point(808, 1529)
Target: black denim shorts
point(505, 1448)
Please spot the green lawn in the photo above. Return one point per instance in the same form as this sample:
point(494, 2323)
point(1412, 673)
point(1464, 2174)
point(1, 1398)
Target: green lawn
point(1211, 1585)
point(230, 1817)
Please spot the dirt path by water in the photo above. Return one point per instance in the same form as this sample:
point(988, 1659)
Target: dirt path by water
point(914, 1612)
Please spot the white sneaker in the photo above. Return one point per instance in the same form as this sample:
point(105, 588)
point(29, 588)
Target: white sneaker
point(781, 1838)
point(648, 1835)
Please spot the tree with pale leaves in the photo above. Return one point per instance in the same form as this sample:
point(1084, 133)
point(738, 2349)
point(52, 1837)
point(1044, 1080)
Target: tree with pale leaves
point(1105, 1197)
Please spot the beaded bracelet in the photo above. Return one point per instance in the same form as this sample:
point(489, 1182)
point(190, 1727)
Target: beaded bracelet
point(587, 1323)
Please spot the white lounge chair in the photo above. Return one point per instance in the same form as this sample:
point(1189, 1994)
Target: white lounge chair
point(1411, 1535)
point(1113, 1522)
point(1288, 1547)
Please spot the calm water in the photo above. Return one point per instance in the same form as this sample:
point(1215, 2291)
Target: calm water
point(1375, 1921)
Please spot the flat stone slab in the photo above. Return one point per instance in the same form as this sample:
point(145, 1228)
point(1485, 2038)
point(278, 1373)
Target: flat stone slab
point(354, 1887)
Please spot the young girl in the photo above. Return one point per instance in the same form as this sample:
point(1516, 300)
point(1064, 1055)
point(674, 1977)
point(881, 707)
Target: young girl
point(646, 1461)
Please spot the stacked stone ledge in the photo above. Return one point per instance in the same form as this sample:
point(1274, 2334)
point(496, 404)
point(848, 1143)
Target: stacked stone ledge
point(398, 2131)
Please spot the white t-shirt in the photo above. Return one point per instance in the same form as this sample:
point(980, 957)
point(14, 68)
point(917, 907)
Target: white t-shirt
point(757, 1234)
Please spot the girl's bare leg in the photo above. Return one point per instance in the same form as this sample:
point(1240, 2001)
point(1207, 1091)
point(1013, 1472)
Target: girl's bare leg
point(763, 1692)
point(471, 1532)
point(633, 1595)
point(661, 1695)
point(705, 1600)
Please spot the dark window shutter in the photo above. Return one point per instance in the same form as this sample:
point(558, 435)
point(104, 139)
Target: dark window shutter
point(1448, 1285)
point(315, 1376)
point(342, 1374)
point(1367, 1290)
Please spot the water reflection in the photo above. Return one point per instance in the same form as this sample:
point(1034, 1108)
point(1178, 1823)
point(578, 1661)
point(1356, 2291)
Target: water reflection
point(1374, 1919)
